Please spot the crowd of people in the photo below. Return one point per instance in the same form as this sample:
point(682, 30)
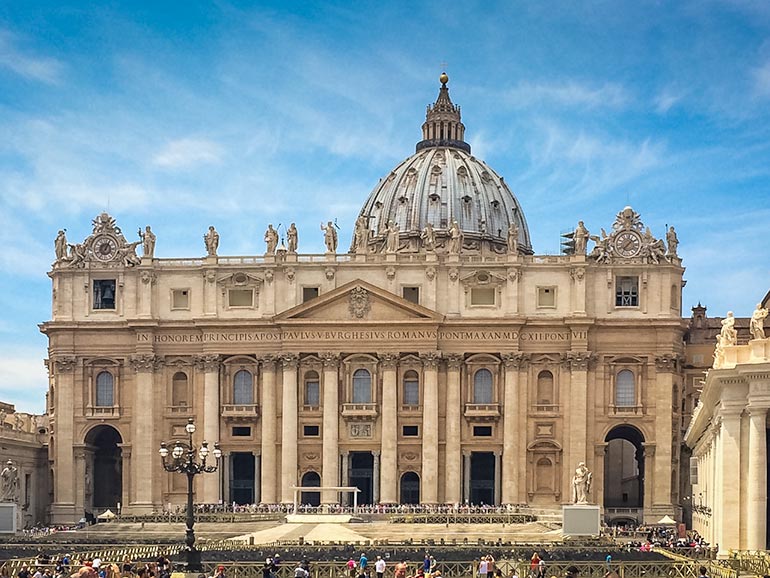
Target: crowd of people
point(344, 509)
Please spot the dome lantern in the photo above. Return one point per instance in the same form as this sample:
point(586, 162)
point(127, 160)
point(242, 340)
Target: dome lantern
point(442, 126)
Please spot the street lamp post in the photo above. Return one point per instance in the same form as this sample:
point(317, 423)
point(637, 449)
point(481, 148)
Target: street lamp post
point(183, 461)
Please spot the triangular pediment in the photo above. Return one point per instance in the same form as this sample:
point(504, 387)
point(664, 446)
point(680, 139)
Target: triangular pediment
point(359, 301)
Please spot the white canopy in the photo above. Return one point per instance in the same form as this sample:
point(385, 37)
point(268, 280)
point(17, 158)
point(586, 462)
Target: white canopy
point(106, 515)
point(664, 521)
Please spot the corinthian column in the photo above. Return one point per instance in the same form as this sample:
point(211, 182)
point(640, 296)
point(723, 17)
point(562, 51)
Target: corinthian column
point(268, 466)
point(331, 457)
point(453, 460)
point(757, 486)
point(144, 451)
point(511, 426)
point(429, 493)
point(211, 413)
point(63, 508)
point(389, 449)
point(289, 428)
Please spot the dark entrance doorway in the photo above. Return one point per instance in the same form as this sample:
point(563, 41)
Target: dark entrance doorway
point(482, 478)
point(362, 475)
point(410, 488)
point(106, 483)
point(624, 468)
point(242, 477)
point(311, 498)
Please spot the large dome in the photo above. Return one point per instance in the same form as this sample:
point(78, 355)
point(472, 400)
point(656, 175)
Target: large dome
point(441, 183)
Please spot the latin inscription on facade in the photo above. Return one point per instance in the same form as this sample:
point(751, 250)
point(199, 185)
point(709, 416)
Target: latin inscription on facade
point(387, 335)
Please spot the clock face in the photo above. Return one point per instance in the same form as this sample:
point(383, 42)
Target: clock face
point(628, 244)
point(105, 247)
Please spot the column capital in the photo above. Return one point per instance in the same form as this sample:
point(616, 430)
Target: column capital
point(208, 362)
point(454, 361)
point(515, 359)
point(376, 453)
point(330, 359)
point(578, 360)
point(289, 360)
point(65, 363)
point(430, 359)
point(648, 449)
point(145, 362)
point(758, 407)
point(667, 362)
point(388, 360)
point(266, 360)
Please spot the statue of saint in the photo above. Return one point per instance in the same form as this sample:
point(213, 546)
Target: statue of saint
point(455, 238)
point(391, 238)
point(757, 324)
point(360, 234)
point(728, 335)
point(580, 236)
point(9, 483)
point(673, 242)
point(292, 239)
point(330, 237)
point(60, 247)
point(271, 238)
point(428, 237)
point(513, 239)
point(212, 241)
point(148, 242)
point(581, 484)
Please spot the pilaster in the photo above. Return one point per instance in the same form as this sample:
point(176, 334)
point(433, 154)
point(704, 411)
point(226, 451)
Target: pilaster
point(144, 450)
point(453, 466)
point(209, 363)
point(429, 490)
point(330, 460)
point(289, 428)
point(388, 480)
point(269, 467)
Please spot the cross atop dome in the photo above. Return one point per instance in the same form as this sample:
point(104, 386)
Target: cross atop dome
point(442, 126)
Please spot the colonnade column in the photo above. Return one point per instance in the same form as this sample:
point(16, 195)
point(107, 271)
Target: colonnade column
point(453, 457)
point(268, 462)
point(376, 477)
point(63, 508)
point(578, 410)
point(429, 479)
point(467, 477)
point(756, 538)
point(510, 475)
point(211, 414)
point(257, 479)
point(664, 385)
point(144, 451)
point(388, 479)
point(728, 528)
point(330, 457)
point(289, 428)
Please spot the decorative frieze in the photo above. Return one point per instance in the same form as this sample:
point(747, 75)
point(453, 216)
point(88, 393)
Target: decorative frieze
point(360, 430)
point(359, 303)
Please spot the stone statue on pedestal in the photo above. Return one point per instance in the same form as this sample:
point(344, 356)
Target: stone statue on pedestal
point(513, 239)
point(212, 241)
point(580, 236)
point(292, 239)
point(757, 324)
point(455, 238)
point(271, 239)
point(391, 238)
point(673, 242)
point(428, 237)
point(9, 483)
point(581, 484)
point(60, 246)
point(330, 237)
point(148, 242)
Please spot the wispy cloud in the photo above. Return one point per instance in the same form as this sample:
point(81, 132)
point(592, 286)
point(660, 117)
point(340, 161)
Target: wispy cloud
point(39, 68)
point(761, 77)
point(666, 99)
point(567, 94)
point(188, 152)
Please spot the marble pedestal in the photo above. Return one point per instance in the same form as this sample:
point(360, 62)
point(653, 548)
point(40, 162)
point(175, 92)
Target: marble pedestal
point(9, 517)
point(581, 520)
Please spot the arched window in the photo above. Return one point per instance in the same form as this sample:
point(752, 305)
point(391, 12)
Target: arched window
point(362, 386)
point(105, 389)
point(482, 386)
point(312, 389)
point(243, 391)
point(411, 388)
point(545, 388)
point(625, 389)
point(179, 389)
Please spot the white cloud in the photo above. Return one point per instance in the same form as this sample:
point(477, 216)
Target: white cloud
point(188, 152)
point(666, 99)
point(569, 93)
point(762, 79)
point(23, 377)
point(40, 68)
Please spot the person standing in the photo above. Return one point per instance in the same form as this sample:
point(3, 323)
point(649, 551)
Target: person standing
point(379, 567)
point(363, 561)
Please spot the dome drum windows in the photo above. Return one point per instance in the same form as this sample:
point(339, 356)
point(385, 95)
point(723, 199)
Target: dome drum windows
point(482, 387)
point(240, 379)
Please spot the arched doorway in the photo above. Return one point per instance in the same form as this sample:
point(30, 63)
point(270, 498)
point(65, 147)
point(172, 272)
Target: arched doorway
point(311, 479)
point(105, 484)
point(624, 470)
point(410, 488)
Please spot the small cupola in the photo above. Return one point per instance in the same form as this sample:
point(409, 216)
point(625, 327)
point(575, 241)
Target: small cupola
point(442, 126)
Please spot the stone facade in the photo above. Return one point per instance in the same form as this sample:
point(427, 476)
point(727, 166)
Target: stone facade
point(439, 361)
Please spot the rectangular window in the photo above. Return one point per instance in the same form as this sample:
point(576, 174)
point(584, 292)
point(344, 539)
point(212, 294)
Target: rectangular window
point(311, 431)
point(411, 392)
point(180, 299)
point(627, 292)
point(241, 431)
point(482, 296)
point(309, 293)
point(546, 296)
point(104, 294)
point(240, 297)
point(410, 431)
point(411, 294)
point(482, 431)
point(312, 393)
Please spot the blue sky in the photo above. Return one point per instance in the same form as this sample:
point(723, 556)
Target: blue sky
point(240, 114)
